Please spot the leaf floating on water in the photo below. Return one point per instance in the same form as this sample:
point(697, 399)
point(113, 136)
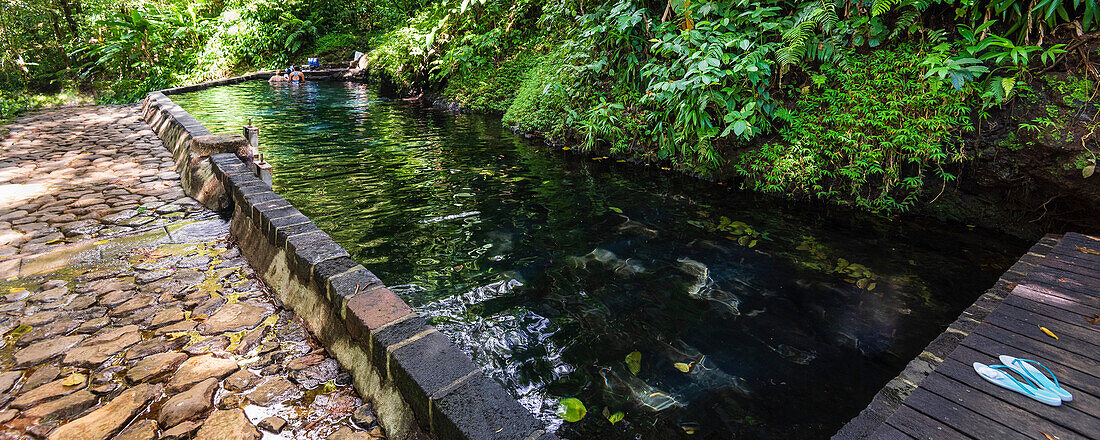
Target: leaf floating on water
point(616, 210)
point(689, 427)
point(572, 410)
point(1048, 332)
point(684, 368)
point(616, 418)
point(1088, 251)
point(74, 380)
point(634, 362)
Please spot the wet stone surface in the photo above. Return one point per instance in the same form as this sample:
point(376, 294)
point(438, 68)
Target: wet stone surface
point(151, 328)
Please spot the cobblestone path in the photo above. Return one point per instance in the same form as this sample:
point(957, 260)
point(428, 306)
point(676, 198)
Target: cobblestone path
point(126, 312)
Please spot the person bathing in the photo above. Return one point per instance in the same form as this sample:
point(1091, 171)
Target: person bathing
point(296, 75)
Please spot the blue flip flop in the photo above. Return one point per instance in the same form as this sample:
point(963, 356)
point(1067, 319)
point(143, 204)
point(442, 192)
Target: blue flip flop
point(998, 375)
point(1024, 368)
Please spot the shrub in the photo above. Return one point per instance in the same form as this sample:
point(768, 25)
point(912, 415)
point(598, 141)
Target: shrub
point(871, 136)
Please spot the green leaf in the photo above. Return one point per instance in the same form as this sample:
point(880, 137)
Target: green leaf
point(634, 362)
point(572, 410)
point(615, 418)
point(1087, 172)
point(614, 209)
point(740, 126)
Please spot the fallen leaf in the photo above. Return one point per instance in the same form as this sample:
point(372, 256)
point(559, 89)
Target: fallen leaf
point(572, 410)
point(1046, 435)
point(74, 380)
point(634, 362)
point(684, 368)
point(1087, 250)
point(1048, 332)
point(616, 418)
point(201, 317)
point(1094, 320)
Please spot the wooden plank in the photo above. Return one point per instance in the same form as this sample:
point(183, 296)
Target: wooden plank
point(1069, 333)
point(1058, 262)
point(1086, 282)
point(1047, 311)
point(962, 419)
point(1074, 258)
point(1073, 250)
point(1071, 283)
point(1078, 239)
point(1021, 419)
point(887, 432)
point(920, 426)
point(986, 351)
point(1027, 348)
point(1081, 411)
point(1075, 339)
point(1051, 298)
point(1072, 380)
point(1060, 291)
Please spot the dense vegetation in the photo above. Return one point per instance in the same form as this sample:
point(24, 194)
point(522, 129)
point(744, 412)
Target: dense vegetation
point(867, 103)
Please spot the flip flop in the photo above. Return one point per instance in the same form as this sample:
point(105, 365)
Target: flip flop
point(994, 374)
point(1024, 368)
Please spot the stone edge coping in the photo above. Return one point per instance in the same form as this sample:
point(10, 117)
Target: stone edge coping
point(889, 398)
point(447, 391)
point(261, 75)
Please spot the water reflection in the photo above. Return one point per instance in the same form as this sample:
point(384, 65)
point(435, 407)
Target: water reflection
point(753, 318)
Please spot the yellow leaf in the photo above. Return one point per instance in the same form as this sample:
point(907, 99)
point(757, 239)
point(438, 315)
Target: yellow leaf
point(1048, 332)
point(1088, 251)
point(73, 380)
point(684, 368)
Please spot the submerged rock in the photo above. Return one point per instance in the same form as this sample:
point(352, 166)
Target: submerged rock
point(228, 424)
point(109, 419)
point(188, 404)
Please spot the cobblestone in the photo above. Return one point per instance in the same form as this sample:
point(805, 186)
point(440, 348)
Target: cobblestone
point(125, 310)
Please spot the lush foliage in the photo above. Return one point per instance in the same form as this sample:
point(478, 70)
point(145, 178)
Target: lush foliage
point(120, 51)
point(856, 102)
point(871, 135)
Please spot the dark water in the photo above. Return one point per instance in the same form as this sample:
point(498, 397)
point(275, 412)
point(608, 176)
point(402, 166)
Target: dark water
point(550, 269)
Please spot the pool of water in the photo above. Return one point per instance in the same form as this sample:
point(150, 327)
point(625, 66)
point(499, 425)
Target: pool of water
point(693, 309)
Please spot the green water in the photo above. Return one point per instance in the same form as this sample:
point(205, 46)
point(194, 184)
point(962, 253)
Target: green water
point(549, 269)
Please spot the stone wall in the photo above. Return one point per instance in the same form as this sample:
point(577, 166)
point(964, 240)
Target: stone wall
point(420, 382)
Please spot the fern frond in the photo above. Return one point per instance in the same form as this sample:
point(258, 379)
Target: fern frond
point(879, 7)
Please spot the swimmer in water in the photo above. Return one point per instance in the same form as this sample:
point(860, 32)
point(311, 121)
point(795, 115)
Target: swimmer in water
point(296, 75)
point(277, 77)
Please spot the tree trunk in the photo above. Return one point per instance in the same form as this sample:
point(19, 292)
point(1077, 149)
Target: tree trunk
point(70, 19)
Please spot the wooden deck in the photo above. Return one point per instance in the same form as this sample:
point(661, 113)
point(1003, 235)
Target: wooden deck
point(1060, 289)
